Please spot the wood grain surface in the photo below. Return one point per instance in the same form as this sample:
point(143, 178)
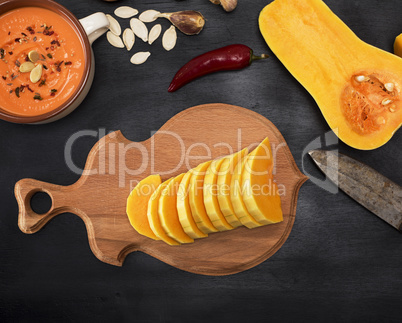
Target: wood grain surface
point(199, 133)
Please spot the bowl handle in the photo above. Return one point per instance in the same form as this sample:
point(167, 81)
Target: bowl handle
point(95, 25)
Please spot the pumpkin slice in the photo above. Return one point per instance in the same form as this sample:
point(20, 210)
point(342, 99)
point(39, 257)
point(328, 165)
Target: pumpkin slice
point(260, 193)
point(398, 45)
point(167, 211)
point(153, 215)
point(211, 197)
point(224, 181)
point(239, 207)
point(137, 205)
point(357, 87)
point(184, 210)
point(196, 198)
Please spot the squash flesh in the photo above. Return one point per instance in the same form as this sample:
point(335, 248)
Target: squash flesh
point(184, 210)
point(211, 197)
point(237, 200)
point(261, 195)
point(196, 199)
point(167, 210)
point(137, 205)
point(153, 216)
point(224, 180)
point(325, 57)
point(398, 45)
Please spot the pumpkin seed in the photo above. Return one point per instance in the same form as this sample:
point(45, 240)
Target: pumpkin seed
point(380, 120)
point(139, 29)
point(140, 57)
point(149, 15)
point(125, 12)
point(36, 73)
point(386, 101)
point(389, 87)
point(114, 25)
point(361, 78)
point(27, 67)
point(154, 33)
point(128, 38)
point(33, 56)
point(169, 38)
point(114, 40)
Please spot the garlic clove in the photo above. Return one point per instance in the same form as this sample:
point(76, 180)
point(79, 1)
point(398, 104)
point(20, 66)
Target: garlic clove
point(154, 33)
point(169, 38)
point(125, 12)
point(149, 16)
point(228, 5)
point(128, 38)
point(114, 40)
point(139, 29)
point(189, 22)
point(114, 25)
point(140, 58)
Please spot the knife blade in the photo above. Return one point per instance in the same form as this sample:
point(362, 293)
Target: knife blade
point(362, 183)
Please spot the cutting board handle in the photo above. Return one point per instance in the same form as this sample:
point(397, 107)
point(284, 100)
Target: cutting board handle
point(28, 220)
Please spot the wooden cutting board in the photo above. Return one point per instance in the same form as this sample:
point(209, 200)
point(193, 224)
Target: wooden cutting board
point(115, 164)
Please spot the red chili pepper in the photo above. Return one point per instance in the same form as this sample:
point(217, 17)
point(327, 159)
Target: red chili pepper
point(232, 57)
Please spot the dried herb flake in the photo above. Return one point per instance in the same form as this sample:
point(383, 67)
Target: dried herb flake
point(1, 53)
point(49, 55)
point(17, 92)
point(38, 97)
point(17, 63)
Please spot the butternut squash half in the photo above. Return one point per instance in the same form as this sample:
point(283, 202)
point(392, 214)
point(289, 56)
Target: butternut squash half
point(356, 86)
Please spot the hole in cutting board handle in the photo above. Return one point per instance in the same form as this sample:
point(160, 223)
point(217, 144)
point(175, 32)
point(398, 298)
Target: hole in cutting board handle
point(41, 202)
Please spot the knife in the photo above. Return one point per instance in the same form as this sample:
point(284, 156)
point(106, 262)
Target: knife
point(362, 183)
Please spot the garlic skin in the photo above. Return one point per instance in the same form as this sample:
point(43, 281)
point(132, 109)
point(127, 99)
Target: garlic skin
point(189, 22)
point(228, 5)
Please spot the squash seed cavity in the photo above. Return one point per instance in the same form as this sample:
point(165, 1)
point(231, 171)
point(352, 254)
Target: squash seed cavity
point(367, 101)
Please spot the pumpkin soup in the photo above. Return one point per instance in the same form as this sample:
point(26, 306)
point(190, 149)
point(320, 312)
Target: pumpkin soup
point(41, 61)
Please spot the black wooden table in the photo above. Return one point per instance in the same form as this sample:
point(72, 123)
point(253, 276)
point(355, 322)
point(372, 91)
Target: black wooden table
point(340, 263)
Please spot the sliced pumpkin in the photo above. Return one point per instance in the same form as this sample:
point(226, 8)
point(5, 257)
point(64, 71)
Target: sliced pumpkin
point(184, 210)
point(236, 198)
point(137, 205)
point(398, 45)
point(224, 181)
point(260, 193)
point(196, 198)
point(356, 86)
point(211, 197)
point(167, 211)
point(153, 216)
